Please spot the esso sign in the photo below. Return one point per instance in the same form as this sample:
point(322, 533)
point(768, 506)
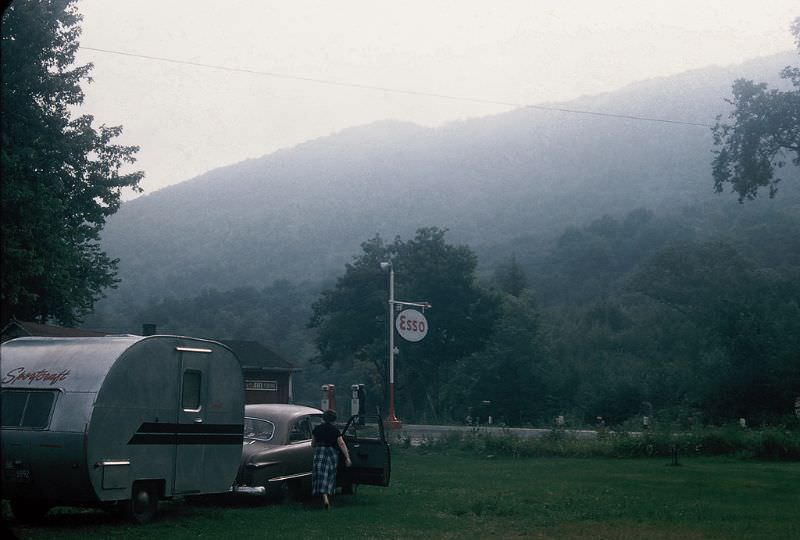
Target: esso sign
point(411, 325)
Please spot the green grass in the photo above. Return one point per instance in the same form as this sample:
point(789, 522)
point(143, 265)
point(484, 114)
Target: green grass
point(451, 494)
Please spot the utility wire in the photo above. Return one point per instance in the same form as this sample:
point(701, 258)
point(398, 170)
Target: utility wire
point(396, 90)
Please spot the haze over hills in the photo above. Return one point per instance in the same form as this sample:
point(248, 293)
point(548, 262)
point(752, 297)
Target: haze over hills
point(301, 213)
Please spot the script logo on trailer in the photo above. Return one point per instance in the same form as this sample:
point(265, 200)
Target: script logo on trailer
point(43, 375)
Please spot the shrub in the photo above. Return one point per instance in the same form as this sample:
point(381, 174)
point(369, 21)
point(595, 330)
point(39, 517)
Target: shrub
point(778, 445)
point(768, 444)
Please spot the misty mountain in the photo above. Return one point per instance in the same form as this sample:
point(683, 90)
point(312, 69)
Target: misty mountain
point(301, 213)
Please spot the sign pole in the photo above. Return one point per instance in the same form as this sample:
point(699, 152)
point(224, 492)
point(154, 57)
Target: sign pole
point(392, 420)
point(416, 330)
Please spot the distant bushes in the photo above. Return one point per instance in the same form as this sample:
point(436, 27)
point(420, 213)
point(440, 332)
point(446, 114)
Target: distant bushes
point(773, 444)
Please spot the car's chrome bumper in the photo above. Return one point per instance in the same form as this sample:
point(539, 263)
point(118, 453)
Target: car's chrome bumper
point(249, 490)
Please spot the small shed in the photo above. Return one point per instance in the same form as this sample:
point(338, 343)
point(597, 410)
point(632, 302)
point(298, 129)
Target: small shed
point(267, 375)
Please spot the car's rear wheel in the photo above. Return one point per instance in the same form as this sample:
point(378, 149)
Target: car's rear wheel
point(278, 492)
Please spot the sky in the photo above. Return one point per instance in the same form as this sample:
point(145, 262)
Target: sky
point(277, 73)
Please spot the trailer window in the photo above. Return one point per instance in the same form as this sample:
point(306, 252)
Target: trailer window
point(26, 409)
point(13, 407)
point(191, 390)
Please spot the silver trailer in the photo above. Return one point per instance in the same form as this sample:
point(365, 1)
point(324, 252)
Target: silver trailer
point(117, 420)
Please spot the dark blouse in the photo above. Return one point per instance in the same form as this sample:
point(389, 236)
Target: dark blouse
point(326, 434)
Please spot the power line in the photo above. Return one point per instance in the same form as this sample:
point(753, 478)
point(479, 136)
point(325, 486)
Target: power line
point(397, 90)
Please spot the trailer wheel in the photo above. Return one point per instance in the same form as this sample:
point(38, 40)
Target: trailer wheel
point(26, 511)
point(143, 504)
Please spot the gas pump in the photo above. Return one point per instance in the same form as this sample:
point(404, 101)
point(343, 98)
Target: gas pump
point(358, 402)
point(328, 397)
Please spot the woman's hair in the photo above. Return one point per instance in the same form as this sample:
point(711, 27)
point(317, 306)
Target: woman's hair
point(329, 416)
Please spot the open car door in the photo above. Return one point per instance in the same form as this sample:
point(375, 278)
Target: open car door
point(369, 452)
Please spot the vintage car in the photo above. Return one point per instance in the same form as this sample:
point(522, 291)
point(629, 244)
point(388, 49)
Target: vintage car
point(277, 452)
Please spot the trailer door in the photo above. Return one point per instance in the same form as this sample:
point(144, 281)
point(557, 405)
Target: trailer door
point(191, 437)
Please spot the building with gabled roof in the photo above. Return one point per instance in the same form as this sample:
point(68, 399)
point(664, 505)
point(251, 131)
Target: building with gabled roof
point(267, 375)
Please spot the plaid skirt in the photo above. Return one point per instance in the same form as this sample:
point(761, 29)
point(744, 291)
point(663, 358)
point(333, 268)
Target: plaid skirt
point(323, 471)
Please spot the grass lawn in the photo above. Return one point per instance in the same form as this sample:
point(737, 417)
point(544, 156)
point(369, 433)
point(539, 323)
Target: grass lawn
point(455, 495)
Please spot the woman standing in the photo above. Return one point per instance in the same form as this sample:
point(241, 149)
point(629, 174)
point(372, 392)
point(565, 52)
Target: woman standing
point(327, 442)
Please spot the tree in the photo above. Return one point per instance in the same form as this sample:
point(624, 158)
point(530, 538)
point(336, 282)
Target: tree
point(509, 373)
point(351, 318)
point(741, 327)
point(510, 277)
point(61, 176)
point(763, 133)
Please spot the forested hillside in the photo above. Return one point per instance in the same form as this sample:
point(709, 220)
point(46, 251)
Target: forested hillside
point(618, 283)
point(301, 212)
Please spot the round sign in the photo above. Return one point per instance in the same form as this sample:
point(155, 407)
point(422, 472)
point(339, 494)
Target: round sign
point(411, 325)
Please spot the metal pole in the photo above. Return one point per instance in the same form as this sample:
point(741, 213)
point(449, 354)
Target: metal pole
point(392, 420)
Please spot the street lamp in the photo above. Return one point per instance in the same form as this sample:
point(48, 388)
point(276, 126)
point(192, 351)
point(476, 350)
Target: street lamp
point(392, 420)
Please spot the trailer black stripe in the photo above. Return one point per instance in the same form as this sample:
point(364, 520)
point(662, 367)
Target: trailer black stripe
point(170, 433)
point(165, 427)
point(173, 438)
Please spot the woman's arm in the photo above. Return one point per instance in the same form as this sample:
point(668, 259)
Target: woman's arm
point(343, 448)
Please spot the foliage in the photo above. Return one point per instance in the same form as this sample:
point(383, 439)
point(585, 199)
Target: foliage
point(61, 176)
point(273, 315)
point(506, 379)
point(510, 277)
point(763, 133)
point(586, 263)
point(351, 318)
point(747, 323)
point(700, 324)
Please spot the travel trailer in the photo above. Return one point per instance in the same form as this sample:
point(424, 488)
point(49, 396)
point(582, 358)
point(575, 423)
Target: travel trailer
point(117, 420)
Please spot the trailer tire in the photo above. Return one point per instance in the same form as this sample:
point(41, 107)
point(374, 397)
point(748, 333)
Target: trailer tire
point(143, 504)
point(26, 511)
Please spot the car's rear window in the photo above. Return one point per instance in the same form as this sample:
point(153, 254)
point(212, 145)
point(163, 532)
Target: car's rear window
point(258, 429)
point(315, 419)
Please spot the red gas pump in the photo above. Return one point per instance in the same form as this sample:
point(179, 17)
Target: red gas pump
point(328, 397)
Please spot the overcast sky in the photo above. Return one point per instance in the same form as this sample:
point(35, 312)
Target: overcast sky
point(189, 119)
